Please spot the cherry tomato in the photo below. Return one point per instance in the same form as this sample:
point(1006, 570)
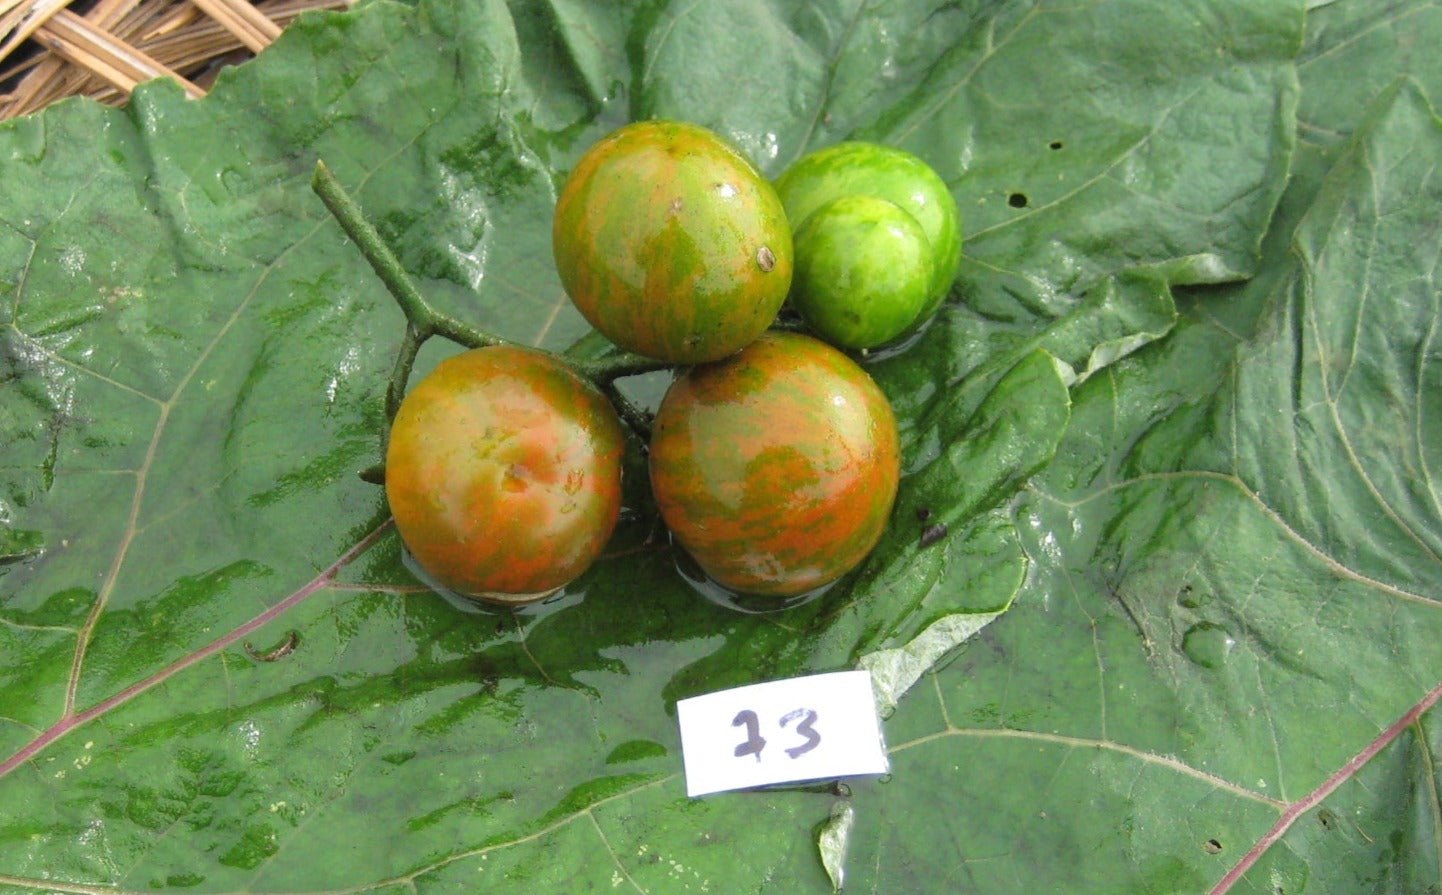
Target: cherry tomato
point(671, 244)
point(776, 468)
point(868, 169)
point(503, 472)
point(863, 271)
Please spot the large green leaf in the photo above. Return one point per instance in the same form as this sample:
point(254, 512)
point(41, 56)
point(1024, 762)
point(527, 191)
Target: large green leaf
point(1237, 599)
point(219, 674)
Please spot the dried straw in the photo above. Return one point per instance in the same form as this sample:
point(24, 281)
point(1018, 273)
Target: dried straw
point(48, 52)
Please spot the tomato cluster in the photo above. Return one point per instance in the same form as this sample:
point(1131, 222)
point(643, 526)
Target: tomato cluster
point(774, 458)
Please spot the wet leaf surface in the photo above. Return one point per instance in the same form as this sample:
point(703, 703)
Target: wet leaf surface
point(1183, 569)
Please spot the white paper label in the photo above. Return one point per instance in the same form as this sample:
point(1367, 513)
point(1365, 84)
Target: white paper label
point(803, 728)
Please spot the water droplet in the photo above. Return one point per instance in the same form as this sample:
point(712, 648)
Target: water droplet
point(496, 604)
point(236, 182)
point(890, 350)
point(750, 604)
point(1208, 644)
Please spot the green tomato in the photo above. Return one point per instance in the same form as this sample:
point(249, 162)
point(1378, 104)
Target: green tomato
point(776, 468)
point(503, 473)
point(671, 244)
point(870, 169)
point(863, 271)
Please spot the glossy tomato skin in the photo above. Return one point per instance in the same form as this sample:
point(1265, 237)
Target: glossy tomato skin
point(863, 271)
point(777, 468)
point(857, 168)
point(671, 243)
point(503, 473)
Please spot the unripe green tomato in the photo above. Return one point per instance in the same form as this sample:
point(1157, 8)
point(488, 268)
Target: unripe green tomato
point(503, 472)
point(869, 169)
point(776, 468)
point(863, 271)
point(671, 243)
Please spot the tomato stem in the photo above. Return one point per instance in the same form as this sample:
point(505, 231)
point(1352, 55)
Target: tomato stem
point(627, 410)
point(405, 359)
point(424, 321)
point(605, 370)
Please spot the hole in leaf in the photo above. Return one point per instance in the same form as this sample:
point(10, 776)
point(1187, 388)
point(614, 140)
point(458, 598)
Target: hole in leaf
point(1212, 847)
point(1016, 200)
point(1056, 144)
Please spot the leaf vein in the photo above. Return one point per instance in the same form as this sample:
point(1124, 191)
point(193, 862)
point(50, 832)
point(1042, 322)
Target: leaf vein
point(992, 47)
point(1362, 33)
point(1343, 435)
point(40, 349)
point(1269, 714)
point(532, 836)
point(1328, 786)
point(1338, 568)
point(1434, 790)
point(19, 626)
point(72, 721)
point(612, 852)
point(1168, 762)
point(832, 63)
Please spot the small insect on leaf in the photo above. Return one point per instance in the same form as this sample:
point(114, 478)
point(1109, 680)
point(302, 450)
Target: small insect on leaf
point(280, 651)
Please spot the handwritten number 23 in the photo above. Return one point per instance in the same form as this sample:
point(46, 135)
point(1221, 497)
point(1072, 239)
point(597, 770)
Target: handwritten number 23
point(755, 742)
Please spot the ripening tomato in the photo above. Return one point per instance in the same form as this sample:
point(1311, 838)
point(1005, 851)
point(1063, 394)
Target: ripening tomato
point(503, 472)
point(776, 468)
point(671, 243)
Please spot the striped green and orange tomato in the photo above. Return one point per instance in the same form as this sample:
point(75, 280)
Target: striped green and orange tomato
point(776, 469)
point(503, 472)
point(671, 243)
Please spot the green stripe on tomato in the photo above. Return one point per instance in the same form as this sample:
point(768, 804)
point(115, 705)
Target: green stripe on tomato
point(777, 468)
point(503, 473)
point(671, 243)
